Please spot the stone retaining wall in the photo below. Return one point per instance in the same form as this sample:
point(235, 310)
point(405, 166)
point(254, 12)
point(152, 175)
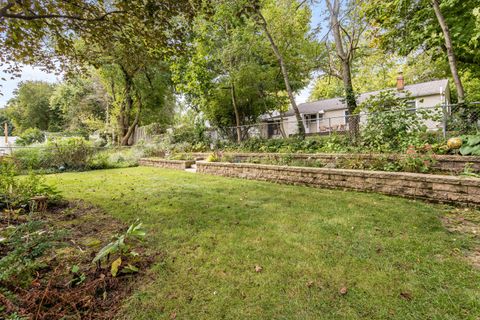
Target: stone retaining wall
point(444, 163)
point(165, 163)
point(438, 188)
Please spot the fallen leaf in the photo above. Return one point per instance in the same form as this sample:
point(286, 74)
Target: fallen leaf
point(173, 315)
point(115, 265)
point(310, 284)
point(258, 269)
point(343, 291)
point(406, 295)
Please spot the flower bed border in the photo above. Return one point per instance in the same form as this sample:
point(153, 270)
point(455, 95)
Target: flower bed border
point(445, 163)
point(436, 188)
point(166, 163)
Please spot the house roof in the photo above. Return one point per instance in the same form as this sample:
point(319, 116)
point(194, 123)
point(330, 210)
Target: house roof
point(415, 90)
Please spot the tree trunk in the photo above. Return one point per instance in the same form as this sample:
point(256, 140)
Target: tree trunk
point(237, 116)
point(283, 68)
point(133, 126)
point(345, 58)
point(126, 107)
point(452, 60)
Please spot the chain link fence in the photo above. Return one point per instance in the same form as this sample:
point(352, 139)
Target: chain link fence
point(442, 121)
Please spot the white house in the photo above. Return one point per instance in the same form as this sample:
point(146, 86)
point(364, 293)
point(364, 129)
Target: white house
point(325, 116)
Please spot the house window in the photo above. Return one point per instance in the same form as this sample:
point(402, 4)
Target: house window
point(273, 128)
point(312, 118)
point(412, 105)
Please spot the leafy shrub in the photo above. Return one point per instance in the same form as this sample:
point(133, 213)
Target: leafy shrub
point(121, 248)
point(65, 153)
point(332, 143)
point(70, 153)
point(391, 125)
point(213, 157)
point(471, 145)
point(115, 158)
point(16, 192)
point(19, 265)
point(32, 158)
point(30, 136)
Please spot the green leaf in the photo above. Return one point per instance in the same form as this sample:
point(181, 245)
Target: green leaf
point(108, 249)
point(75, 268)
point(473, 140)
point(468, 150)
point(130, 269)
point(115, 265)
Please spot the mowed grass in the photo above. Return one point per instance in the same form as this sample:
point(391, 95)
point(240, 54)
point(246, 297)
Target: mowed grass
point(393, 255)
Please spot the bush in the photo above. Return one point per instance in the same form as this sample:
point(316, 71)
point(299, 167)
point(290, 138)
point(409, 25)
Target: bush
point(116, 158)
point(58, 154)
point(17, 192)
point(70, 153)
point(332, 143)
point(32, 158)
point(19, 265)
point(30, 136)
point(391, 126)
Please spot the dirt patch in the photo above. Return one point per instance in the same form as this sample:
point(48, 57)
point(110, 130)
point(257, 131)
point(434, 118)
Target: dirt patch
point(65, 284)
point(466, 221)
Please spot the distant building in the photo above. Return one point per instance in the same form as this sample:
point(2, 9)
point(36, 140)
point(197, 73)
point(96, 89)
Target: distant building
point(5, 146)
point(328, 115)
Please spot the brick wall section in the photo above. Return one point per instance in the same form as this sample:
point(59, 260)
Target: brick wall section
point(438, 188)
point(164, 163)
point(444, 163)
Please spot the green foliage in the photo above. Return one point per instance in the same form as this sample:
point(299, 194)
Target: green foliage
point(120, 157)
point(17, 192)
point(232, 61)
point(64, 153)
point(469, 171)
point(70, 153)
point(213, 157)
point(391, 124)
point(30, 107)
point(82, 103)
point(332, 143)
point(4, 118)
point(470, 145)
point(404, 26)
point(374, 69)
point(25, 244)
point(121, 247)
point(30, 136)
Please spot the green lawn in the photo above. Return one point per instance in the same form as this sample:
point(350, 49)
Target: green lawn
point(393, 255)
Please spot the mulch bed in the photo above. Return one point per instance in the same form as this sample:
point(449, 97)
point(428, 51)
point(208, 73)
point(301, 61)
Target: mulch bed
point(57, 293)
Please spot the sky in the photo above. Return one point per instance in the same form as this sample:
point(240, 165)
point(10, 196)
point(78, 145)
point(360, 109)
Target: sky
point(35, 73)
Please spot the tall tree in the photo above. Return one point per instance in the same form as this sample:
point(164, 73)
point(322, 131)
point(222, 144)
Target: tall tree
point(452, 60)
point(232, 75)
point(410, 26)
point(82, 102)
point(30, 107)
point(346, 37)
point(279, 22)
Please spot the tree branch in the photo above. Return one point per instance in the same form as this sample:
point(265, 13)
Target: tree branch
point(5, 14)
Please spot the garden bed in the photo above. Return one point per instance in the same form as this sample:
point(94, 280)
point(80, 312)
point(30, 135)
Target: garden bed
point(424, 163)
point(438, 188)
point(166, 163)
point(49, 274)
